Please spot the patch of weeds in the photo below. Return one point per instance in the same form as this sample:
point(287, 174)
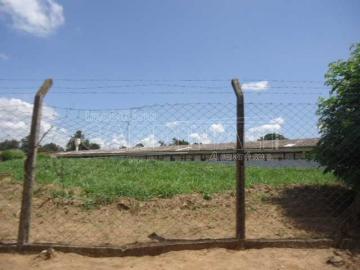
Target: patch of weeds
point(95, 202)
point(62, 194)
point(89, 204)
point(207, 196)
point(264, 197)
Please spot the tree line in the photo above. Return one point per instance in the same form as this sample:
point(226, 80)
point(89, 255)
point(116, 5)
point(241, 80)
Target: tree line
point(86, 144)
point(23, 144)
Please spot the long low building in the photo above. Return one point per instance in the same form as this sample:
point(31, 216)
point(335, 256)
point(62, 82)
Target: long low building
point(257, 150)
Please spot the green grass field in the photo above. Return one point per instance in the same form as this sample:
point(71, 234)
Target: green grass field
point(102, 180)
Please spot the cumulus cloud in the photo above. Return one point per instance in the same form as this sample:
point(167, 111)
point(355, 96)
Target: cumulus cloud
point(200, 138)
point(150, 141)
point(4, 56)
point(274, 126)
point(15, 121)
point(217, 128)
point(279, 120)
point(119, 141)
point(172, 125)
point(37, 17)
point(115, 142)
point(256, 86)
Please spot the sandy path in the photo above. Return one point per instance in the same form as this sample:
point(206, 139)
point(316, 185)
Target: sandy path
point(204, 259)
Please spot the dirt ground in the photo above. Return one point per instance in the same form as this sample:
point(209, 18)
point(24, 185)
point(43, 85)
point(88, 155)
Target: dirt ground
point(289, 259)
point(271, 213)
point(295, 211)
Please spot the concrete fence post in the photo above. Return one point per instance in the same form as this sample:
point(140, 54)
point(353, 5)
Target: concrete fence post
point(30, 165)
point(240, 160)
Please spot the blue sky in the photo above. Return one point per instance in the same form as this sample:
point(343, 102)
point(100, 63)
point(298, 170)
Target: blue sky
point(172, 41)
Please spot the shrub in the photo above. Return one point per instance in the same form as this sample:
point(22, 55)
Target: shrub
point(12, 154)
point(339, 149)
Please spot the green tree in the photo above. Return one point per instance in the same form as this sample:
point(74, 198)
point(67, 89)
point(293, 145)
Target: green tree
point(338, 149)
point(139, 145)
point(176, 141)
point(272, 136)
point(94, 146)
point(162, 143)
point(51, 147)
point(9, 144)
point(85, 143)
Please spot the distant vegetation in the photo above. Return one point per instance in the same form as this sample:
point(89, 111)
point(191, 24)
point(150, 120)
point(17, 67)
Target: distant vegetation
point(23, 145)
point(51, 147)
point(9, 144)
point(12, 154)
point(176, 141)
point(85, 143)
point(272, 136)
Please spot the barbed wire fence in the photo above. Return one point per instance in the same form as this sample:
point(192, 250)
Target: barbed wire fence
point(154, 173)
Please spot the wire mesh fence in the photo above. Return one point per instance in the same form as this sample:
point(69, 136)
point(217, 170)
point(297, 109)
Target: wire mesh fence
point(300, 201)
point(123, 199)
point(122, 185)
point(164, 172)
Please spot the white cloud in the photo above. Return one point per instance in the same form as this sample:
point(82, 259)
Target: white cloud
point(200, 138)
point(256, 86)
point(15, 120)
point(99, 141)
point(274, 126)
point(116, 142)
point(172, 125)
point(217, 128)
point(150, 141)
point(278, 120)
point(4, 56)
point(119, 141)
point(37, 17)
